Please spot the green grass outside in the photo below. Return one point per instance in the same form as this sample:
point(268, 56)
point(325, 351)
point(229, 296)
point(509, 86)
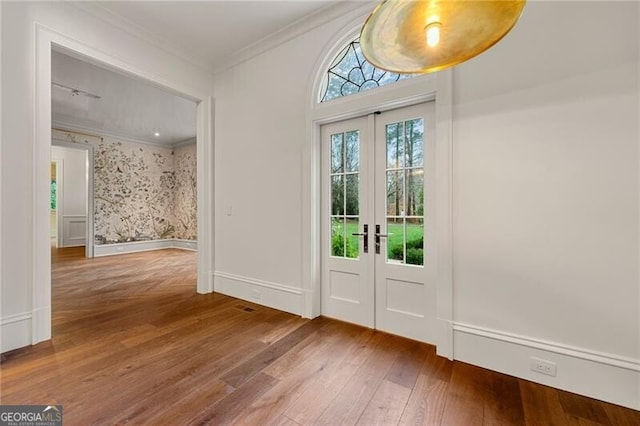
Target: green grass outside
point(395, 239)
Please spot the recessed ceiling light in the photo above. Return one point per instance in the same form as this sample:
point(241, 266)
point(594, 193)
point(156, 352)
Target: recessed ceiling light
point(156, 134)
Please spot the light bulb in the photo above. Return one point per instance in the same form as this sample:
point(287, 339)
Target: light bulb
point(433, 34)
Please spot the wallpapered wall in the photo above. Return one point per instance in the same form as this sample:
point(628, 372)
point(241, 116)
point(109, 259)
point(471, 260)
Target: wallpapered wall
point(141, 191)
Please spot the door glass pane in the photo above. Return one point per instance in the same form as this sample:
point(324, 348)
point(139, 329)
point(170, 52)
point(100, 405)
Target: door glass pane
point(337, 150)
point(345, 194)
point(415, 192)
point(414, 231)
point(395, 146)
point(395, 240)
point(337, 236)
point(351, 192)
point(337, 195)
point(352, 151)
point(414, 142)
point(352, 246)
point(405, 192)
point(395, 193)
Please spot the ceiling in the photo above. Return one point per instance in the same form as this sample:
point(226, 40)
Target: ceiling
point(211, 31)
point(128, 107)
point(208, 33)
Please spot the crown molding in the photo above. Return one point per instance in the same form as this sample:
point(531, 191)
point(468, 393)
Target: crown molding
point(66, 126)
point(190, 141)
point(340, 9)
point(336, 10)
point(130, 27)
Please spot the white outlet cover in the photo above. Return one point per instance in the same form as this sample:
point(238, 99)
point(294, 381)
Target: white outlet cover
point(543, 366)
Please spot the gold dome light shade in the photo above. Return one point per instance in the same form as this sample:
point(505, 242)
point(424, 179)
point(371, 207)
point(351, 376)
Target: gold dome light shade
point(408, 36)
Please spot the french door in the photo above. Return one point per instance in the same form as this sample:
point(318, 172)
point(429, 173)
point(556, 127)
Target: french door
point(378, 221)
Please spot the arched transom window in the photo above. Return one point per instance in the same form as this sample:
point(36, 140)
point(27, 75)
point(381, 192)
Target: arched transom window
point(350, 73)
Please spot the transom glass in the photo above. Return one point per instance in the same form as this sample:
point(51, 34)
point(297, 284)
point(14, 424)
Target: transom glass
point(350, 73)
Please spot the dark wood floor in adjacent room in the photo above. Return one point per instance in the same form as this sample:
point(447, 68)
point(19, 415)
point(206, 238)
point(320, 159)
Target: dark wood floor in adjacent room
point(133, 343)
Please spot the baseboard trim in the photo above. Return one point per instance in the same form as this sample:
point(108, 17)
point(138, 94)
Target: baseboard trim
point(15, 331)
point(572, 351)
point(599, 375)
point(273, 295)
point(140, 246)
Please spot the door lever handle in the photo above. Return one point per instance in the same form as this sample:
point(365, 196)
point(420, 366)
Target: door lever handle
point(378, 235)
point(364, 234)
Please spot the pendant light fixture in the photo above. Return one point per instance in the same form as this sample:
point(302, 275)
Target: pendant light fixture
point(421, 36)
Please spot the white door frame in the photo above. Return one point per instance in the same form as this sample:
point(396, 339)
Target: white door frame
point(429, 87)
point(88, 149)
point(46, 40)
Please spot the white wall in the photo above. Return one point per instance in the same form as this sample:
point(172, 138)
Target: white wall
point(545, 172)
point(18, 53)
point(260, 135)
point(545, 186)
point(72, 199)
point(545, 179)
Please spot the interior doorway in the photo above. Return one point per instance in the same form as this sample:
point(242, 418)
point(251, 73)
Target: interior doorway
point(378, 222)
point(73, 189)
point(53, 229)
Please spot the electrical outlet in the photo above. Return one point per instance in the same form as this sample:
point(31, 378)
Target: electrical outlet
point(543, 366)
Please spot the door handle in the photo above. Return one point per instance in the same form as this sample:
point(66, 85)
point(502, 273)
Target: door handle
point(378, 235)
point(364, 234)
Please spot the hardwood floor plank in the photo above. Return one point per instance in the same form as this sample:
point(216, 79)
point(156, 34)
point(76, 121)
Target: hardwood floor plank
point(354, 397)
point(233, 405)
point(541, 405)
point(621, 416)
point(284, 421)
point(133, 343)
point(321, 393)
point(503, 403)
point(426, 402)
point(583, 408)
point(408, 364)
point(387, 404)
point(245, 371)
point(465, 398)
point(290, 386)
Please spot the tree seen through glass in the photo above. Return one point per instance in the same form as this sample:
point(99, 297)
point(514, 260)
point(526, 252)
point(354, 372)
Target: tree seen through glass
point(405, 192)
point(345, 187)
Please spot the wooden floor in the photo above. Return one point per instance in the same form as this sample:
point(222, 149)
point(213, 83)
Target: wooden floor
point(133, 343)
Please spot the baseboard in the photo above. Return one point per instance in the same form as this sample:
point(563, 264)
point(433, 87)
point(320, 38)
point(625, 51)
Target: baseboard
point(594, 374)
point(139, 246)
point(15, 332)
point(273, 295)
point(185, 244)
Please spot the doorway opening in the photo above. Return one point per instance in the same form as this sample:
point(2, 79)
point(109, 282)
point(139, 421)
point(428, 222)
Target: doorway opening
point(71, 196)
point(47, 43)
point(53, 230)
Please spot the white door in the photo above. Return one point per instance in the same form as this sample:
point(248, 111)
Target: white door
point(378, 180)
point(347, 197)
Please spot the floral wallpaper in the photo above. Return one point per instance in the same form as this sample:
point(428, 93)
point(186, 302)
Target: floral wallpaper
point(141, 192)
point(185, 192)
